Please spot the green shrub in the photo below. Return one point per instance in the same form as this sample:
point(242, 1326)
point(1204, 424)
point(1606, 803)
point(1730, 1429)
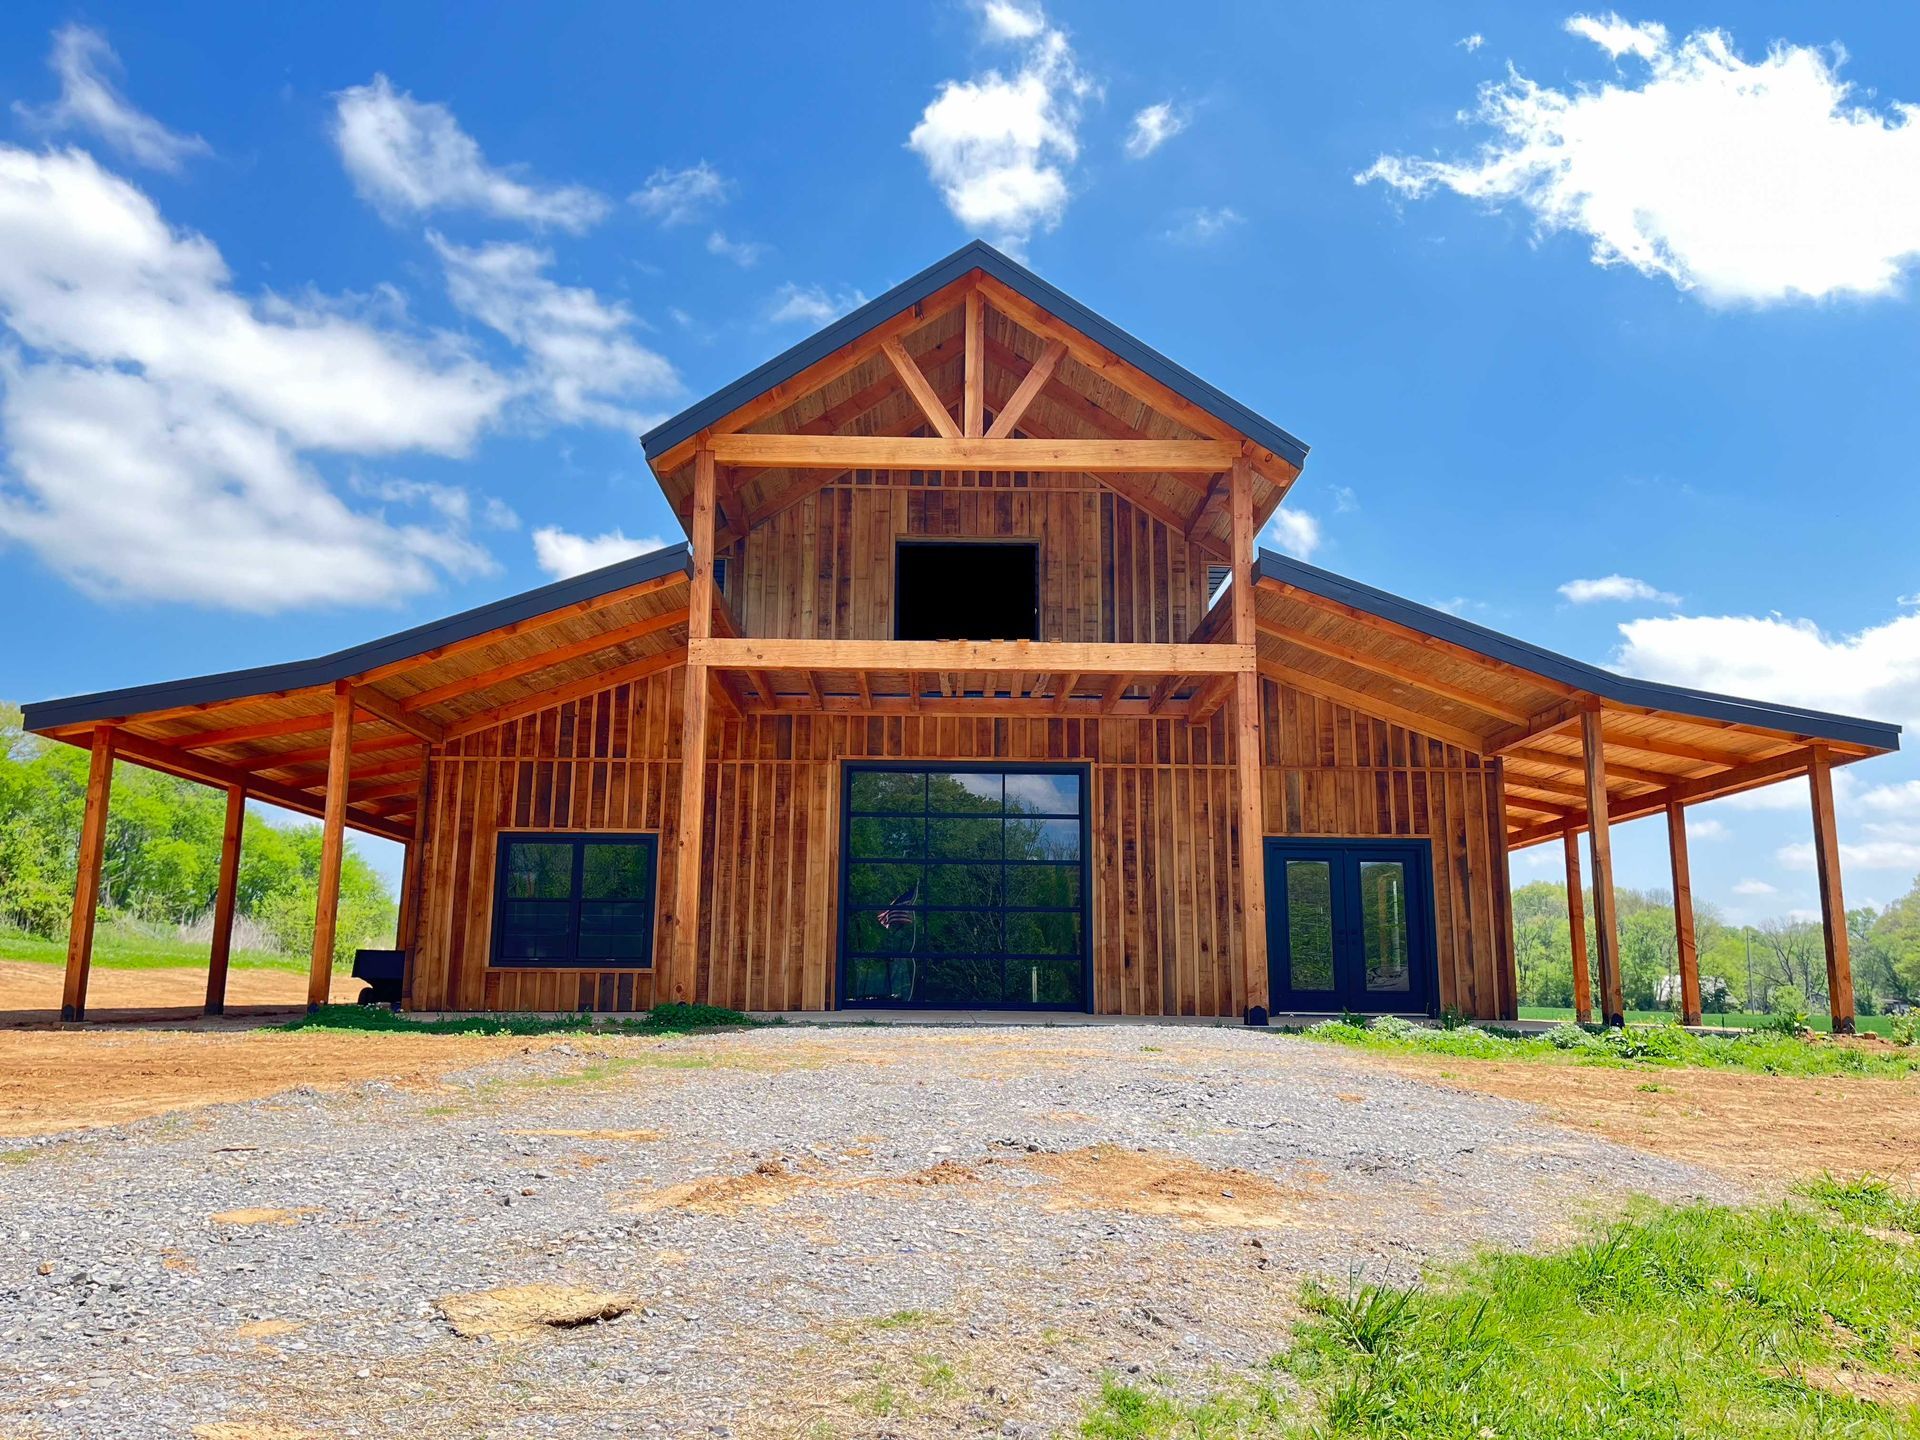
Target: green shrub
point(1786, 1010)
point(1393, 1027)
point(1904, 1029)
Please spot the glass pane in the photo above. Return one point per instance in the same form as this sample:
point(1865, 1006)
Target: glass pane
point(1044, 982)
point(1057, 885)
point(964, 839)
point(886, 839)
point(891, 792)
point(885, 932)
point(615, 930)
point(615, 872)
point(874, 884)
point(539, 871)
point(977, 885)
point(963, 793)
point(960, 932)
point(1043, 933)
point(879, 978)
point(1043, 794)
point(1383, 926)
point(1043, 839)
point(972, 980)
point(1310, 924)
point(536, 930)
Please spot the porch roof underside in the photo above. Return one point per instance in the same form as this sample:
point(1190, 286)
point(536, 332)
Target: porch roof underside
point(1467, 685)
point(266, 729)
point(1099, 383)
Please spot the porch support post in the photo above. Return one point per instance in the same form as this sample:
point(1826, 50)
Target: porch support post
point(690, 832)
point(333, 841)
point(1577, 929)
point(1600, 846)
point(1683, 913)
point(1833, 906)
point(403, 925)
point(86, 878)
point(225, 893)
point(1247, 753)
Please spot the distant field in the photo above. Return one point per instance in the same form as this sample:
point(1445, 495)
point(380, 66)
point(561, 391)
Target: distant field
point(1733, 1019)
point(115, 948)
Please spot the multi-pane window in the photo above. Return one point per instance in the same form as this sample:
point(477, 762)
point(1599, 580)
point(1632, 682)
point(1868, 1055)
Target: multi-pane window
point(965, 888)
point(575, 900)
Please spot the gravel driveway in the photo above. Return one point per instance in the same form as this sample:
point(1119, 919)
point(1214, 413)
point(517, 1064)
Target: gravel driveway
point(819, 1232)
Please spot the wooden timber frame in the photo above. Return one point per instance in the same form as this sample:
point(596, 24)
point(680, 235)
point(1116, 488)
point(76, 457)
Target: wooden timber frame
point(972, 402)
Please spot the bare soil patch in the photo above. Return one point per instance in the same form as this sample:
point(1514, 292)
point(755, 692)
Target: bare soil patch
point(1765, 1129)
point(517, 1312)
point(30, 992)
point(1157, 1182)
point(264, 1216)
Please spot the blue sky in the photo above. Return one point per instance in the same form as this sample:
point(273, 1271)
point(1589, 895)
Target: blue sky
point(313, 326)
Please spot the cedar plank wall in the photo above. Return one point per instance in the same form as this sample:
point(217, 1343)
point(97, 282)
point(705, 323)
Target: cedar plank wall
point(1163, 910)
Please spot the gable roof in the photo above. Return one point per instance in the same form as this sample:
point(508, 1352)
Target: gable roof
point(356, 659)
point(976, 255)
point(1607, 684)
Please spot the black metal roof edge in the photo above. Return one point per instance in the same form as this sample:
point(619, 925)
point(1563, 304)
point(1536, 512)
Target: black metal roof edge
point(1609, 684)
point(325, 669)
point(976, 254)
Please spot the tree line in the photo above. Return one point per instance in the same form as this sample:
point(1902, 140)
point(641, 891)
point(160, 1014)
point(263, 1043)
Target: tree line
point(161, 858)
point(1741, 966)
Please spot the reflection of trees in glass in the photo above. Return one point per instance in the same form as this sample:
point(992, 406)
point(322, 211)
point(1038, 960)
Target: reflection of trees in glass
point(1383, 922)
point(539, 872)
point(614, 872)
point(1310, 924)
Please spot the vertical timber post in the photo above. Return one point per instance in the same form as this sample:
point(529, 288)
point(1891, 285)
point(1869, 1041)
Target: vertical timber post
point(1833, 906)
point(690, 833)
point(1577, 929)
point(1247, 752)
point(1685, 944)
point(973, 393)
point(1606, 926)
point(220, 949)
point(333, 841)
point(86, 876)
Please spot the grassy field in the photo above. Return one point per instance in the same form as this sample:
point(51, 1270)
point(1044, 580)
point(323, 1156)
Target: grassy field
point(1702, 1321)
point(1731, 1019)
point(1765, 1052)
point(671, 1018)
point(117, 947)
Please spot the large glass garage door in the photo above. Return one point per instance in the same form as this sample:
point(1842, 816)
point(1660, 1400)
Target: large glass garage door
point(964, 888)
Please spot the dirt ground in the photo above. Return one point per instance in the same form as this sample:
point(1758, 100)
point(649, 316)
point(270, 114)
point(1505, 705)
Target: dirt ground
point(30, 991)
point(1765, 1129)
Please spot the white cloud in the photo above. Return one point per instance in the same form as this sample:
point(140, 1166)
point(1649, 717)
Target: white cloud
point(1753, 887)
point(1745, 181)
point(1903, 855)
point(1205, 225)
point(679, 197)
point(1294, 531)
point(1153, 127)
point(998, 146)
point(812, 304)
point(408, 156)
point(583, 364)
point(1471, 43)
point(744, 253)
point(562, 553)
point(1615, 587)
point(89, 100)
point(1898, 799)
point(1707, 829)
point(156, 422)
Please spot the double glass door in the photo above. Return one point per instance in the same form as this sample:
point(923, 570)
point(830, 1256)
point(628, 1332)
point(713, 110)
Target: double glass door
point(1350, 926)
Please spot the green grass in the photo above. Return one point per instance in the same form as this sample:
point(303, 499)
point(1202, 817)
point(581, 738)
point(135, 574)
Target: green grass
point(1764, 1052)
point(668, 1019)
point(118, 947)
point(1729, 1019)
point(1695, 1321)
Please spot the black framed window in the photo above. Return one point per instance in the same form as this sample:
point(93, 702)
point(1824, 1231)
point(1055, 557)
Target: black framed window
point(965, 887)
point(575, 899)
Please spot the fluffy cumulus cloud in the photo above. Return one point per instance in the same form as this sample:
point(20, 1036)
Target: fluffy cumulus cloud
point(679, 197)
point(582, 362)
point(1152, 127)
point(1615, 587)
point(90, 101)
point(1746, 181)
point(1753, 887)
point(812, 304)
point(999, 144)
point(562, 553)
point(410, 157)
point(1293, 531)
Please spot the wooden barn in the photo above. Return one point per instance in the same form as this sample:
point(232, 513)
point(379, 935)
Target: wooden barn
point(970, 691)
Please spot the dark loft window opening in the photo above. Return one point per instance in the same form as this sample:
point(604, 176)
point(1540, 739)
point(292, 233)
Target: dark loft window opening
point(576, 900)
point(974, 590)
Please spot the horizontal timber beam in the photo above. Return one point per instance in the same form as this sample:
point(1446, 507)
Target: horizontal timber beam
point(1031, 656)
point(888, 452)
